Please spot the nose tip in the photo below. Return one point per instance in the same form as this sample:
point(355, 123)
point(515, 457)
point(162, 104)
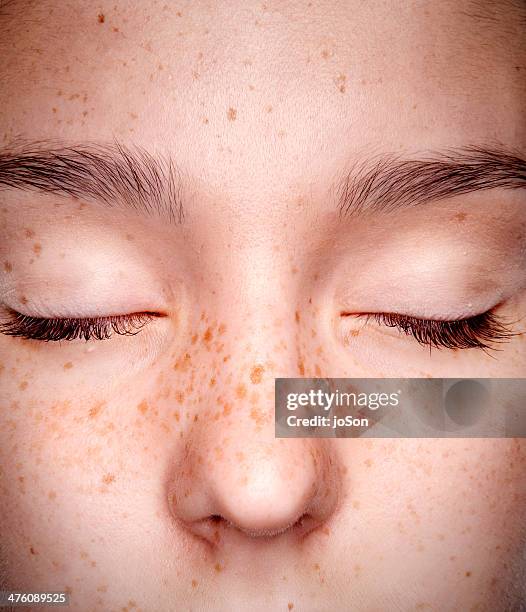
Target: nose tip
point(285, 487)
point(269, 500)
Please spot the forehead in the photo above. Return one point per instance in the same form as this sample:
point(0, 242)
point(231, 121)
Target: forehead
point(240, 91)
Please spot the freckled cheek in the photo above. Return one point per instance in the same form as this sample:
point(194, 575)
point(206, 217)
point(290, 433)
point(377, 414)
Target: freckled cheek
point(89, 436)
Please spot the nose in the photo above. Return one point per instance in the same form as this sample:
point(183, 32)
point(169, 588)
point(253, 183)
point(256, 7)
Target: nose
point(230, 475)
point(258, 489)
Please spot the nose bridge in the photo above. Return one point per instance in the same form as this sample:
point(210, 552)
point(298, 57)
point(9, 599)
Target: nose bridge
point(256, 300)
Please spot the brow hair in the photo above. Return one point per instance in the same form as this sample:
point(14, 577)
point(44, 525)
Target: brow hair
point(110, 173)
point(123, 176)
point(389, 182)
point(496, 11)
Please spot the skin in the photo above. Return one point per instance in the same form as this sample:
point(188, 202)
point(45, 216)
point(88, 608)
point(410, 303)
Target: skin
point(142, 473)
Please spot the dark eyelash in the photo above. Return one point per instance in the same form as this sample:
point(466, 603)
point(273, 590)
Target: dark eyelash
point(52, 330)
point(481, 331)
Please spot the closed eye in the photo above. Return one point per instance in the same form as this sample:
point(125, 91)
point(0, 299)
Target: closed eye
point(483, 331)
point(91, 328)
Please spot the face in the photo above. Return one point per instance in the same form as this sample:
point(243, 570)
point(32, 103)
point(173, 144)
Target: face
point(201, 198)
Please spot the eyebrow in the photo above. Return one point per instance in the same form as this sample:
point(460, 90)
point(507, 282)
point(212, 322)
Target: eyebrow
point(117, 175)
point(113, 174)
point(388, 183)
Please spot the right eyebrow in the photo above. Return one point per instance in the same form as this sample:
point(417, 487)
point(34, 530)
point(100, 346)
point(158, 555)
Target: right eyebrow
point(112, 174)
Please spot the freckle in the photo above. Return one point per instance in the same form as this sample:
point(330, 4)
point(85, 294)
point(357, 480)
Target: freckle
point(115, 29)
point(339, 81)
point(460, 217)
point(143, 407)
point(301, 368)
point(297, 316)
point(257, 416)
point(194, 338)
point(33, 551)
point(68, 365)
point(256, 374)
point(52, 495)
point(94, 411)
point(354, 333)
point(23, 385)
point(102, 588)
point(194, 584)
point(356, 505)
point(29, 233)
point(212, 382)
point(101, 18)
point(226, 409)
point(37, 248)
point(196, 418)
point(108, 479)
point(468, 574)
point(218, 452)
point(241, 391)
point(317, 371)
point(8, 266)
point(294, 270)
point(218, 567)
point(221, 329)
point(268, 108)
point(368, 462)
point(207, 336)
point(133, 115)
point(290, 605)
point(179, 396)
point(231, 114)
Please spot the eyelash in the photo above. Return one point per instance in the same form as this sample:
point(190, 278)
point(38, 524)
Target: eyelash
point(481, 331)
point(53, 330)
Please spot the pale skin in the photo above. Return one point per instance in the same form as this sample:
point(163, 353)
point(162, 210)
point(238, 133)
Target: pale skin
point(142, 472)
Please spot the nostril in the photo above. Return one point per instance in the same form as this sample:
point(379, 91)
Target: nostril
point(306, 524)
point(214, 527)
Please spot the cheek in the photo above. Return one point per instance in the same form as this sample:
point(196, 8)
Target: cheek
point(452, 509)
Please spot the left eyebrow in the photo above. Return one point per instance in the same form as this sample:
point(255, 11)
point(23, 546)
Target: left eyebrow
point(113, 174)
point(388, 182)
